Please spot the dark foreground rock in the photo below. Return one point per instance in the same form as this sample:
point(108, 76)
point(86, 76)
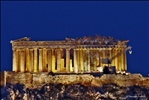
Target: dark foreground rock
point(74, 92)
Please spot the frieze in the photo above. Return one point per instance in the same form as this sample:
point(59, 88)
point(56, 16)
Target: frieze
point(97, 40)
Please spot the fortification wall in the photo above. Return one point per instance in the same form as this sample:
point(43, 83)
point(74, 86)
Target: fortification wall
point(35, 80)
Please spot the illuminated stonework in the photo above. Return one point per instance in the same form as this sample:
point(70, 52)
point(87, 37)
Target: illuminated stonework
point(85, 54)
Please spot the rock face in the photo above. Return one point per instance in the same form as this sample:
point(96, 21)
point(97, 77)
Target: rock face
point(35, 80)
point(123, 80)
point(44, 86)
point(74, 92)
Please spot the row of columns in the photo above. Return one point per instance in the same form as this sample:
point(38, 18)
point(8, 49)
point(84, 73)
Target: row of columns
point(84, 60)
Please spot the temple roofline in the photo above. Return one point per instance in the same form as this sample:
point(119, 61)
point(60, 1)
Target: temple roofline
point(90, 40)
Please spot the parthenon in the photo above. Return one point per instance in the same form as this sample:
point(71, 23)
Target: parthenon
point(70, 55)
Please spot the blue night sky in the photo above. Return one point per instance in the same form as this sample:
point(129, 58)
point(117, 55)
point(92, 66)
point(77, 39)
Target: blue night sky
point(43, 20)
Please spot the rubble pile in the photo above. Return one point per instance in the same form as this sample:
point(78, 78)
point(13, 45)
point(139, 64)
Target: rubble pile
point(73, 92)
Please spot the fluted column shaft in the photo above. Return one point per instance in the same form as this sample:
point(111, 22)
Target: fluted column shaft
point(71, 69)
point(85, 59)
point(81, 60)
point(32, 59)
point(94, 60)
point(125, 61)
point(45, 59)
point(49, 60)
point(53, 60)
point(67, 60)
point(22, 60)
point(116, 60)
point(122, 59)
point(35, 59)
point(28, 61)
point(112, 54)
point(119, 60)
point(40, 60)
point(97, 58)
point(78, 59)
point(75, 62)
point(102, 56)
point(15, 60)
point(62, 68)
point(88, 60)
point(58, 60)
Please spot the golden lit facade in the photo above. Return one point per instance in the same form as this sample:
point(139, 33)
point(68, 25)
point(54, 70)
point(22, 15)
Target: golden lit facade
point(70, 55)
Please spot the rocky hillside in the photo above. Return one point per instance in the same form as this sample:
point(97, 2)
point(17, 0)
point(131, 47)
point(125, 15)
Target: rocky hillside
point(74, 92)
point(45, 86)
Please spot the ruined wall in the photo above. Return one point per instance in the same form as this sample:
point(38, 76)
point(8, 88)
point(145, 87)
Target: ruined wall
point(35, 80)
point(25, 78)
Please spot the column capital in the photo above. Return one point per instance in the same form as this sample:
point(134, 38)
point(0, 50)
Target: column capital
point(84, 48)
point(27, 48)
point(18, 49)
point(31, 49)
point(40, 49)
point(109, 48)
point(49, 49)
point(35, 48)
point(77, 49)
point(67, 48)
point(14, 49)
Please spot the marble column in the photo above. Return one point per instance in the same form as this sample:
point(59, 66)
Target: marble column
point(28, 61)
point(22, 60)
point(91, 59)
point(40, 60)
point(75, 61)
point(32, 59)
point(94, 60)
point(111, 55)
point(53, 60)
point(119, 60)
point(15, 60)
point(101, 56)
point(67, 60)
point(122, 59)
point(97, 57)
point(49, 60)
point(45, 65)
point(116, 60)
point(99, 53)
point(125, 61)
point(85, 59)
point(58, 60)
point(62, 68)
point(71, 69)
point(78, 59)
point(35, 59)
point(62, 65)
point(88, 60)
point(81, 60)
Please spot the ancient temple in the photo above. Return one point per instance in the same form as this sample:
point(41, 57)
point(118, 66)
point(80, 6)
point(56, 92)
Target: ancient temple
point(85, 54)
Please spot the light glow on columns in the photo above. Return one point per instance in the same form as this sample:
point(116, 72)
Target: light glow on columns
point(100, 69)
